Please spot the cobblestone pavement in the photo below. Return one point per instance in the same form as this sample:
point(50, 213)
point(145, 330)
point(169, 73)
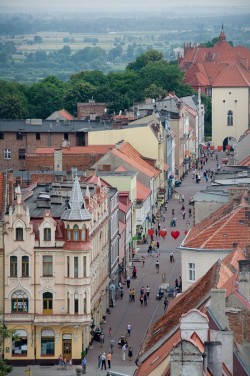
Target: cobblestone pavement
point(140, 317)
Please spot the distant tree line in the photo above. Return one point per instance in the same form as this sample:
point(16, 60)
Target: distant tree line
point(150, 75)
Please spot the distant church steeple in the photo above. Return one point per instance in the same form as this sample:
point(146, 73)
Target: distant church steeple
point(222, 37)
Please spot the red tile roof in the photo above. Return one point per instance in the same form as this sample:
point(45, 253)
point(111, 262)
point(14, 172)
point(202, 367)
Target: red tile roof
point(220, 66)
point(66, 115)
point(142, 192)
point(130, 155)
point(227, 225)
point(195, 296)
point(93, 179)
point(120, 169)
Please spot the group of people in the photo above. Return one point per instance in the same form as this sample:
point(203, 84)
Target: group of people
point(144, 295)
point(64, 363)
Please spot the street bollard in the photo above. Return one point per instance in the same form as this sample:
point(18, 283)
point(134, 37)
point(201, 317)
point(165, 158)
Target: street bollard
point(78, 370)
point(28, 372)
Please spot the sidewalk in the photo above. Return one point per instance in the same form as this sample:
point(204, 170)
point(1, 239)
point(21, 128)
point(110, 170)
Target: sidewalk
point(140, 317)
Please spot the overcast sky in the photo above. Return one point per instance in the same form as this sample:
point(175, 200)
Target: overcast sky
point(113, 4)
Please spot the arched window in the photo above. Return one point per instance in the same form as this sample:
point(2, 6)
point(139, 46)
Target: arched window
point(25, 266)
point(19, 233)
point(19, 302)
point(75, 233)
point(19, 343)
point(13, 266)
point(47, 342)
point(230, 119)
point(68, 233)
point(47, 303)
point(47, 234)
point(84, 233)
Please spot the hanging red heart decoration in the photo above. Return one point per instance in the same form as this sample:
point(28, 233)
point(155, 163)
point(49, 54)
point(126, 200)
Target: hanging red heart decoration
point(151, 232)
point(163, 233)
point(185, 232)
point(175, 234)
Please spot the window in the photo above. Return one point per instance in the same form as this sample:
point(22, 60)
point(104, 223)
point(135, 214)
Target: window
point(47, 266)
point(7, 154)
point(25, 266)
point(84, 266)
point(66, 136)
point(19, 135)
point(68, 233)
point(13, 266)
point(21, 153)
point(47, 342)
point(85, 305)
point(68, 266)
point(19, 302)
point(1, 136)
point(19, 343)
point(76, 267)
point(19, 233)
point(47, 303)
point(230, 119)
point(38, 136)
point(191, 271)
point(75, 233)
point(47, 234)
point(76, 304)
point(84, 233)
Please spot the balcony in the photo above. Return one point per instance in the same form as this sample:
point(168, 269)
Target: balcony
point(19, 317)
point(61, 319)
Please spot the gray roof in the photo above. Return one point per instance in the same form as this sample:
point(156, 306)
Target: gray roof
point(211, 196)
point(76, 210)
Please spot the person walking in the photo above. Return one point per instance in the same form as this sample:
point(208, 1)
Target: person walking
point(129, 329)
point(157, 266)
point(189, 212)
point(145, 299)
point(109, 359)
point(84, 365)
point(143, 261)
point(102, 336)
point(128, 282)
point(141, 299)
point(148, 291)
point(184, 214)
point(165, 303)
point(110, 331)
point(112, 345)
point(180, 284)
point(99, 361)
point(130, 295)
point(124, 351)
point(133, 295)
point(103, 359)
point(130, 353)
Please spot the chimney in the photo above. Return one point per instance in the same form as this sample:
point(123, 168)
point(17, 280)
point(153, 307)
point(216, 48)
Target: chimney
point(213, 350)
point(217, 306)
point(10, 188)
point(244, 278)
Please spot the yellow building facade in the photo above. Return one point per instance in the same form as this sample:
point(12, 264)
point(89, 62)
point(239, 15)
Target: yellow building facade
point(55, 274)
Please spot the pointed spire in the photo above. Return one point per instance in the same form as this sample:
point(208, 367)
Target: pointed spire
point(76, 210)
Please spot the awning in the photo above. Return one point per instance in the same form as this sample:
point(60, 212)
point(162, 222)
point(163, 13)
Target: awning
point(219, 148)
point(166, 167)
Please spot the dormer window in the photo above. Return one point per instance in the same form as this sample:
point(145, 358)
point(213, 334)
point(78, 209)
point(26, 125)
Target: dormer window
point(47, 234)
point(19, 233)
point(75, 233)
point(84, 233)
point(68, 233)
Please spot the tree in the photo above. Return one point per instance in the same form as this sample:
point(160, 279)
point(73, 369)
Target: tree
point(77, 93)
point(4, 333)
point(13, 106)
point(38, 39)
point(154, 91)
point(150, 56)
